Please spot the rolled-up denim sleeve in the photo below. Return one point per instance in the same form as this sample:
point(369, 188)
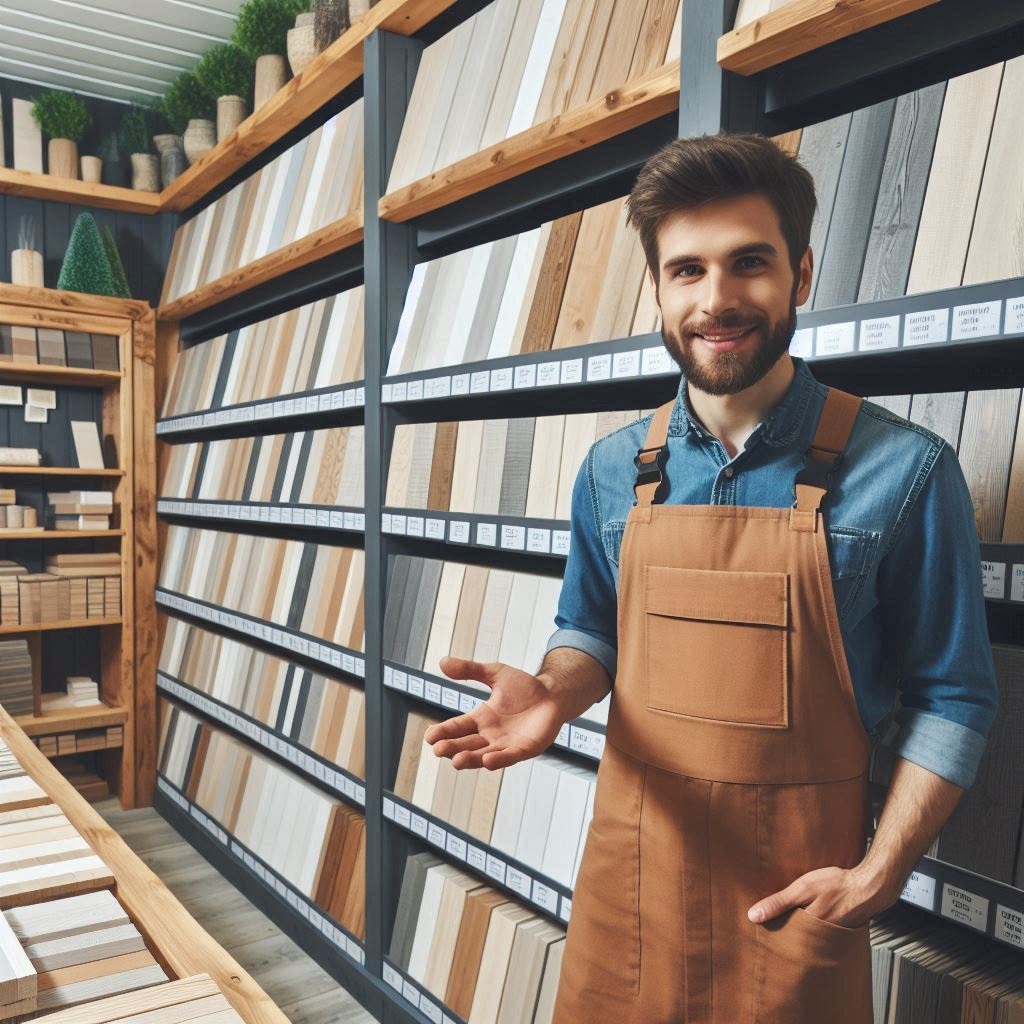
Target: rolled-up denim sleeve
point(931, 588)
point(587, 615)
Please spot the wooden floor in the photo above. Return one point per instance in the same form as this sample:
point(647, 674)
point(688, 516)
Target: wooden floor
point(305, 993)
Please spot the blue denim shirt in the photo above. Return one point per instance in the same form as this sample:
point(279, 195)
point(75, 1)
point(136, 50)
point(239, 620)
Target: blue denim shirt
point(903, 547)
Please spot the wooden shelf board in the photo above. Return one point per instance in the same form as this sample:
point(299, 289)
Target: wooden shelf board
point(58, 471)
point(341, 234)
point(168, 927)
point(72, 719)
point(649, 97)
point(44, 627)
point(800, 26)
point(57, 534)
point(60, 374)
point(81, 193)
point(324, 78)
point(55, 300)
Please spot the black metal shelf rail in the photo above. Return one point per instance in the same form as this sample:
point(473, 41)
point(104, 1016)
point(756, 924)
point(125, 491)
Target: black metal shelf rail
point(340, 405)
point(580, 736)
point(331, 777)
point(493, 866)
point(335, 518)
point(881, 63)
point(541, 537)
point(290, 642)
point(423, 1005)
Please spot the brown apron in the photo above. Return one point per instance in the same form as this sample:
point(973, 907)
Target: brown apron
point(736, 761)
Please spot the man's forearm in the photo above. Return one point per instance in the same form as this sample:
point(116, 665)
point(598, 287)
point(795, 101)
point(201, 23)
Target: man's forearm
point(918, 804)
point(574, 679)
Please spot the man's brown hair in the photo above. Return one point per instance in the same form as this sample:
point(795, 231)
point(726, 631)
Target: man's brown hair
point(690, 172)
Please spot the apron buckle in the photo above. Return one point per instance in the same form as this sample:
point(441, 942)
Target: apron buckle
point(651, 470)
point(817, 470)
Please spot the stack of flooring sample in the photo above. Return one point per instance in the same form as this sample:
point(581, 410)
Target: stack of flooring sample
point(82, 948)
point(319, 467)
point(16, 677)
point(42, 855)
point(323, 715)
point(19, 984)
point(488, 958)
point(10, 604)
point(518, 467)
point(80, 510)
point(17, 517)
point(576, 280)
point(315, 589)
point(196, 999)
point(522, 62)
point(317, 181)
point(310, 839)
point(436, 608)
point(95, 582)
point(536, 811)
point(319, 345)
point(52, 347)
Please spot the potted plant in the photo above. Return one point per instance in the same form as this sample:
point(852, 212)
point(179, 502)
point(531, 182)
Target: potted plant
point(133, 138)
point(188, 108)
point(262, 32)
point(226, 72)
point(64, 119)
point(27, 260)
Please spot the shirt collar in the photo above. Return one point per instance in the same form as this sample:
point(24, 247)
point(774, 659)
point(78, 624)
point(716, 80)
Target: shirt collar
point(779, 428)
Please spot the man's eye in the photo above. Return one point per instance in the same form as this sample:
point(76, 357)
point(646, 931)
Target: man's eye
point(689, 270)
point(749, 262)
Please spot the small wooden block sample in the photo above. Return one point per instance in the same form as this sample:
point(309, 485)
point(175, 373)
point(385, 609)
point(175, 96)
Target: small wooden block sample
point(18, 984)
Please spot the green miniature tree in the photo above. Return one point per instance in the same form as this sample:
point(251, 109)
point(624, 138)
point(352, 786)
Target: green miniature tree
point(262, 26)
point(86, 266)
point(114, 257)
point(61, 115)
point(185, 100)
point(137, 128)
point(226, 70)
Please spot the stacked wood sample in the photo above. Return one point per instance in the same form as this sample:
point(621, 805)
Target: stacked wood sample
point(81, 742)
point(50, 346)
point(318, 345)
point(482, 954)
point(576, 280)
point(536, 811)
point(317, 181)
point(16, 677)
point(308, 838)
point(512, 467)
point(197, 999)
point(436, 608)
point(320, 467)
point(73, 587)
point(16, 517)
point(320, 714)
point(80, 510)
point(522, 62)
point(313, 589)
point(19, 986)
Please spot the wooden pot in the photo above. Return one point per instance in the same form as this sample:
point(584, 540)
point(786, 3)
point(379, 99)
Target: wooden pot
point(230, 114)
point(271, 74)
point(63, 158)
point(301, 42)
point(199, 138)
point(92, 169)
point(27, 267)
point(145, 172)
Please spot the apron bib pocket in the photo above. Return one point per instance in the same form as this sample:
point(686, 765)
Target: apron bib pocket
point(716, 645)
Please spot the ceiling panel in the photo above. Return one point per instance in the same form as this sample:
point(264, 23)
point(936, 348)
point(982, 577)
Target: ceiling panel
point(121, 50)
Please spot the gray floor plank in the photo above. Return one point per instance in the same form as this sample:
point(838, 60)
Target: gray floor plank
point(305, 992)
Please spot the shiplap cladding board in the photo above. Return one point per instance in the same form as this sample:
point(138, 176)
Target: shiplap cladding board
point(124, 50)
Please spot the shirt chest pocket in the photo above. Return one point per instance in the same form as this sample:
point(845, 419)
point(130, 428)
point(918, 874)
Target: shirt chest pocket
point(851, 552)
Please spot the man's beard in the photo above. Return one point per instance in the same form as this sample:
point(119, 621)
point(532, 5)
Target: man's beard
point(728, 373)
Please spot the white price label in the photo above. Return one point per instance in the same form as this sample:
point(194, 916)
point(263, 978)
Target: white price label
point(399, 391)
point(496, 868)
point(480, 382)
point(501, 380)
point(430, 1010)
point(458, 532)
point(460, 384)
point(920, 890)
point(572, 371)
point(519, 882)
point(513, 537)
point(802, 344)
point(449, 698)
point(977, 320)
point(1017, 583)
point(397, 523)
point(487, 533)
point(433, 691)
point(626, 364)
point(476, 858)
point(599, 367)
point(419, 825)
point(436, 834)
point(1010, 926)
point(1014, 320)
point(392, 977)
point(879, 334)
point(526, 376)
point(928, 327)
point(538, 540)
point(560, 542)
point(960, 905)
point(415, 526)
point(415, 390)
point(435, 529)
point(548, 373)
point(403, 816)
point(993, 579)
point(565, 908)
point(835, 339)
point(545, 897)
point(415, 686)
point(456, 846)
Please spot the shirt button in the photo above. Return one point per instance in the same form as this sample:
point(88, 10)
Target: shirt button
point(729, 472)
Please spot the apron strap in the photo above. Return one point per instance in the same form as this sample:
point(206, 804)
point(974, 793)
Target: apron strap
point(651, 483)
point(834, 428)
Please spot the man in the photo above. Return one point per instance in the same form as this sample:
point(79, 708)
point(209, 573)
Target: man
point(761, 566)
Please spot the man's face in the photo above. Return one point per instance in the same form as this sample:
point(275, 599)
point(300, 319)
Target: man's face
point(727, 292)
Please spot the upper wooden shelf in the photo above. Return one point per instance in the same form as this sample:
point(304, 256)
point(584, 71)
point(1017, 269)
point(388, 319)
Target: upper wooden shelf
point(44, 627)
point(342, 234)
point(42, 301)
point(95, 716)
point(57, 534)
point(81, 193)
point(57, 471)
point(330, 73)
point(34, 372)
point(645, 99)
point(800, 26)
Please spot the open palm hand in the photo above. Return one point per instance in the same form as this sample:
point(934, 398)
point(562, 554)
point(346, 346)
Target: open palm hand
point(519, 720)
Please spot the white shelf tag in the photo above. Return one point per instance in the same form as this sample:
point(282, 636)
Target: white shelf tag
point(513, 537)
point(993, 579)
point(526, 376)
point(920, 890)
point(928, 327)
point(548, 373)
point(880, 334)
point(960, 905)
point(1014, 321)
point(1010, 926)
point(977, 320)
point(487, 533)
point(835, 339)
